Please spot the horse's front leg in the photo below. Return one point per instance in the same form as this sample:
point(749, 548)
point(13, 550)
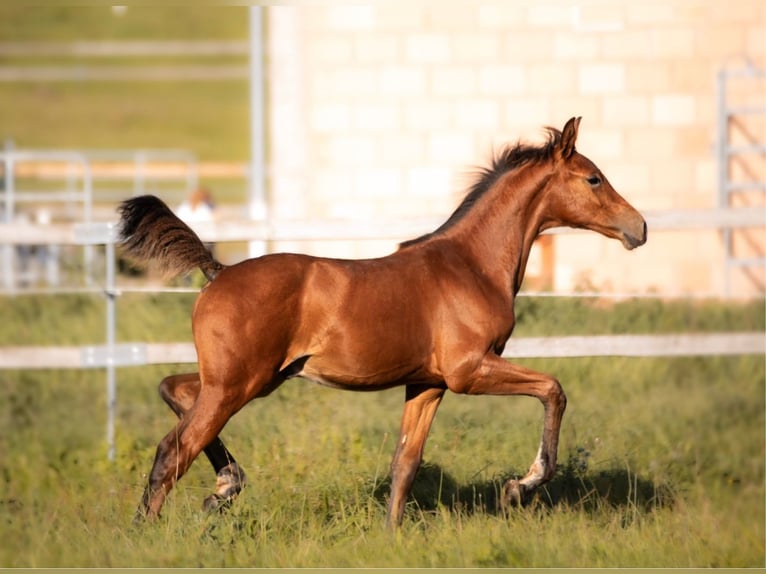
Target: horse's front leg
point(180, 393)
point(420, 407)
point(496, 376)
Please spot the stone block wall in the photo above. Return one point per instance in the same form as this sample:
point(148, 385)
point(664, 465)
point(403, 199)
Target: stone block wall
point(383, 110)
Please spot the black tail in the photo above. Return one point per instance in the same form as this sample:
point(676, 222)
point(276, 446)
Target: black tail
point(150, 232)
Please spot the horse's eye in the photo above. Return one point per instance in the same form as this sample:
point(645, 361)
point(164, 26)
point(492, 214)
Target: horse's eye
point(594, 180)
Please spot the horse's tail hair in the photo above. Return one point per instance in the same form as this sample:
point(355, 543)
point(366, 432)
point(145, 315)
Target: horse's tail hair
point(149, 232)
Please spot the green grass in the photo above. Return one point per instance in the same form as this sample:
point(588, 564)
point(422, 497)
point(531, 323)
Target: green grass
point(208, 118)
point(661, 460)
point(19, 23)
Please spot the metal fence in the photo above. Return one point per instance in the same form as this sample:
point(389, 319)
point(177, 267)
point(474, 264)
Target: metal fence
point(740, 140)
point(45, 185)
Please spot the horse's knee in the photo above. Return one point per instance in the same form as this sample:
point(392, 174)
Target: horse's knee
point(555, 395)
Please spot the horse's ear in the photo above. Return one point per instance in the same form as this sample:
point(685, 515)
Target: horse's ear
point(569, 137)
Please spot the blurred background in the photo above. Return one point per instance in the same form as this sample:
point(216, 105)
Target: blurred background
point(353, 127)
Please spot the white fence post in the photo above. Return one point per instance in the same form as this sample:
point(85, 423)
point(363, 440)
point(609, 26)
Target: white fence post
point(106, 234)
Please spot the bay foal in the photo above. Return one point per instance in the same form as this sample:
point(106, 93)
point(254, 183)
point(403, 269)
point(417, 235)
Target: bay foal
point(433, 316)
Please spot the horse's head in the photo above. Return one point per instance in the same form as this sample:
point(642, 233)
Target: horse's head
point(582, 197)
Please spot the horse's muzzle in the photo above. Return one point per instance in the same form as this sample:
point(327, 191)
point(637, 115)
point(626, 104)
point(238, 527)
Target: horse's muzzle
point(631, 241)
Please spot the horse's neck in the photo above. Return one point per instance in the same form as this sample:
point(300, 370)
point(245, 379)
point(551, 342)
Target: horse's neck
point(500, 229)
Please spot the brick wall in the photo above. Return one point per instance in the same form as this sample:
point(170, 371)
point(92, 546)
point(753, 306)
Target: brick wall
point(383, 109)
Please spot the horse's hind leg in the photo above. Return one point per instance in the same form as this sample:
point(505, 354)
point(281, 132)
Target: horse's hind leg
point(176, 452)
point(180, 393)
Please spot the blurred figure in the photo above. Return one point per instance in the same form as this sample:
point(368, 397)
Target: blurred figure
point(33, 259)
point(197, 207)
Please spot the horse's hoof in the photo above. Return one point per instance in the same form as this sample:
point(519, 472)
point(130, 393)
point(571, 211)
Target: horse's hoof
point(216, 502)
point(231, 480)
point(142, 516)
point(513, 495)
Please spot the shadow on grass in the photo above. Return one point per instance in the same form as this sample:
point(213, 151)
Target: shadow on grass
point(571, 487)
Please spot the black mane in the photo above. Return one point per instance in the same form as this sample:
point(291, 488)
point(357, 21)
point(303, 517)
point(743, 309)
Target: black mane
point(508, 158)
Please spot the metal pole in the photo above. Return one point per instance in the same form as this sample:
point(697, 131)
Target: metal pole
point(8, 278)
point(87, 189)
point(723, 172)
point(258, 207)
point(111, 375)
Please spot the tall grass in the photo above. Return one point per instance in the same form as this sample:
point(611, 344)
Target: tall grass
point(661, 460)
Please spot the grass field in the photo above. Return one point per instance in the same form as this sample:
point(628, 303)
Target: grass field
point(662, 460)
point(208, 118)
point(156, 21)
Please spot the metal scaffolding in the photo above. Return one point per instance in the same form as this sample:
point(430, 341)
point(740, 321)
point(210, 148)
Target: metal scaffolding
point(742, 166)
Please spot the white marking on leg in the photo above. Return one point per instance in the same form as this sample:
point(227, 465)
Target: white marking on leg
point(536, 471)
point(404, 439)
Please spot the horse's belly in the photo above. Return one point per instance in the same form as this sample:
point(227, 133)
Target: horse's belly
point(346, 384)
point(361, 377)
